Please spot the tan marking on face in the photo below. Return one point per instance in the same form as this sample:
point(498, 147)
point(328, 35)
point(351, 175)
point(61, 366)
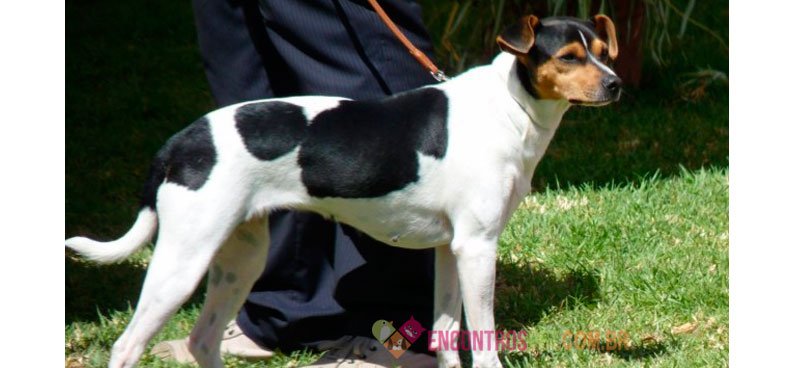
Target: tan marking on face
point(557, 80)
point(572, 48)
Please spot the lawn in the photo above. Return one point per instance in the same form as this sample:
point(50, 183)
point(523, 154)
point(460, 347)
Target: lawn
point(627, 230)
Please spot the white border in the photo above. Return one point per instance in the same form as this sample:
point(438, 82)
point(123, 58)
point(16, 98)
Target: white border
point(761, 187)
point(761, 190)
point(32, 78)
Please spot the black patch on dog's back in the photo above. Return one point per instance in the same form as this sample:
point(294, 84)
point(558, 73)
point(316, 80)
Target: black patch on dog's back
point(270, 129)
point(186, 159)
point(366, 149)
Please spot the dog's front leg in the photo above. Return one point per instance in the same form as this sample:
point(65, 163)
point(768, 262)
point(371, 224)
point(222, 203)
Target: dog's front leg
point(447, 306)
point(476, 261)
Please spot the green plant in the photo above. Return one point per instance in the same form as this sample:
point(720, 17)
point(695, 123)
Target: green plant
point(465, 29)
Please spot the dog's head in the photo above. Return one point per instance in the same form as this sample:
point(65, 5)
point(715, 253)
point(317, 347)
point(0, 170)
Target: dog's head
point(563, 58)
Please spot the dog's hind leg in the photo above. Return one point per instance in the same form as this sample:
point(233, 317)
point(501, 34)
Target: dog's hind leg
point(233, 271)
point(173, 275)
point(188, 239)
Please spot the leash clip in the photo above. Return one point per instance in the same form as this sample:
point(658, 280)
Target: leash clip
point(413, 50)
point(439, 76)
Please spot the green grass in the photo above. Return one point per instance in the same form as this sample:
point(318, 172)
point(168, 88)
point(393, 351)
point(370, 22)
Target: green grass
point(627, 229)
point(641, 258)
point(88, 343)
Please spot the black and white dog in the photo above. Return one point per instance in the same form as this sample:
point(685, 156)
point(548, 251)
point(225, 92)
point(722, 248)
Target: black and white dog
point(443, 166)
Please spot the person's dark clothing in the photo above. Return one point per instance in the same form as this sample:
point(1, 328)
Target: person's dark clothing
point(322, 280)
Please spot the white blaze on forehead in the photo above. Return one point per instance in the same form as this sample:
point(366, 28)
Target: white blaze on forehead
point(584, 42)
point(592, 57)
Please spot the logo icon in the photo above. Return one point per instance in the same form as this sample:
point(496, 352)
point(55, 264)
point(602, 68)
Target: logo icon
point(382, 329)
point(397, 341)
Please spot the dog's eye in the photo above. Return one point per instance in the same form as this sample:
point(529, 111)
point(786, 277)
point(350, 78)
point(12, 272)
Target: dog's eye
point(604, 55)
point(569, 57)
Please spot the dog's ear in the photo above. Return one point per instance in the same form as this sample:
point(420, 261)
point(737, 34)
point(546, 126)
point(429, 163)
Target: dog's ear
point(606, 30)
point(519, 38)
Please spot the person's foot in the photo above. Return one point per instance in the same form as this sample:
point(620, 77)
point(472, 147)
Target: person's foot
point(364, 352)
point(234, 342)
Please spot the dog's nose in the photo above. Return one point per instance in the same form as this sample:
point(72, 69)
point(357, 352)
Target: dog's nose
point(611, 83)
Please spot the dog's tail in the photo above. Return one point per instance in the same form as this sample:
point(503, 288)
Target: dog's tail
point(116, 250)
point(141, 232)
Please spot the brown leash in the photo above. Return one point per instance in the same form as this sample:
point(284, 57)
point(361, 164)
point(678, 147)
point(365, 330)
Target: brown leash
point(420, 56)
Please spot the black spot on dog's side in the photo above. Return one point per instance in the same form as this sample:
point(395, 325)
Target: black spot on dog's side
point(192, 156)
point(270, 129)
point(366, 149)
point(186, 159)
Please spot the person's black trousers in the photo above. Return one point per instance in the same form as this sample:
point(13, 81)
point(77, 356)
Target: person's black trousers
point(322, 280)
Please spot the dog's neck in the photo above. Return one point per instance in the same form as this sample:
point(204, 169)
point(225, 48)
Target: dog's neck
point(545, 114)
point(536, 119)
